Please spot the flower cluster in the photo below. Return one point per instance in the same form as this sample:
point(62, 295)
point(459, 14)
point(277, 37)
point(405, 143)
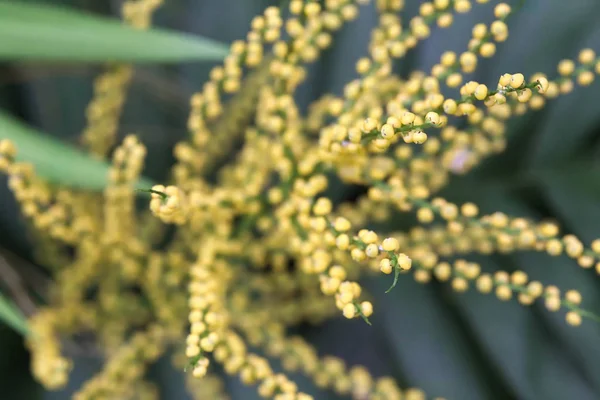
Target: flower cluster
point(263, 247)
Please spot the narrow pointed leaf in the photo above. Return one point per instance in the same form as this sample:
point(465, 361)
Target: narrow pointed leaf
point(516, 338)
point(11, 316)
point(426, 342)
point(43, 32)
point(57, 162)
point(396, 275)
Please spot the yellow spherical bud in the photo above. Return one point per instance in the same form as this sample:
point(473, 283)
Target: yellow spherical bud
point(587, 56)
point(566, 67)
point(543, 84)
point(322, 206)
point(7, 148)
point(372, 250)
point(502, 11)
point(573, 318)
point(448, 59)
point(450, 106)
point(552, 303)
point(469, 210)
point(427, 9)
point(462, 6)
point(523, 96)
point(468, 61)
point(596, 246)
point(366, 308)
point(460, 284)
point(407, 118)
point(525, 299)
point(485, 283)
point(445, 20)
point(199, 371)
point(385, 266)
point(425, 215)
point(566, 86)
point(503, 293)
point(535, 289)
point(585, 78)
point(390, 244)
point(296, 6)
point(518, 278)
point(504, 80)
point(449, 211)
point(358, 255)
point(481, 92)
point(369, 125)
point(342, 241)
point(367, 236)
point(422, 276)
point(487, 50)
point(552, 291)
point(341, 224)
point(573, 296)
point(398, 49)
point(419, 137)
point(433, 118)
point(404, 261)
point(441, 4)
point(479, 31)
point(349, 311)
point(337, 272)
point(363, 65)
point(442, 271)
point(312, 9)
point(454, 80)
point(387, 131)
point(192, 350)
point(517, 80)
point(499, 29)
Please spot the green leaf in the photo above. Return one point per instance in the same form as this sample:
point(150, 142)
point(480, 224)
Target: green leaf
point(42, 32)
point(426, 342)
point(574, 189)
point(531, 346)
point(11, 316)
point(396, 275)
point(574, 200)
point(54, 161)
point(523, 350)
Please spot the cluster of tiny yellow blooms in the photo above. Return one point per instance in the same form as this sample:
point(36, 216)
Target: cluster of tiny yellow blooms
point(110, 88)
point(263, 248)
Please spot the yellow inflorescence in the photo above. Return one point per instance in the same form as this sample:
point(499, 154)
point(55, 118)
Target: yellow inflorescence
point(263, 248)
point(110, 88)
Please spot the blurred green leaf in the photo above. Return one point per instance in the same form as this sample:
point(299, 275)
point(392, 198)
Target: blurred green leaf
point(57, 162)
point(561, 129)
point(574, 196)
point(574, 189)
point(531, 347)
point(41, 32)
point(11, 316)
point(568, 125)
point(426, 342)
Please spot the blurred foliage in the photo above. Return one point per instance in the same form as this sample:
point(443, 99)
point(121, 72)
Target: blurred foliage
point(35, 32)
point(57, 162)
point(11, 315)
point(464, 346)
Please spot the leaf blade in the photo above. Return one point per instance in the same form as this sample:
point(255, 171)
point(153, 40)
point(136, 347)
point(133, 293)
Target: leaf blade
point(55, 161)
point(518, 340)
point(11, 316)
point(36, 32)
